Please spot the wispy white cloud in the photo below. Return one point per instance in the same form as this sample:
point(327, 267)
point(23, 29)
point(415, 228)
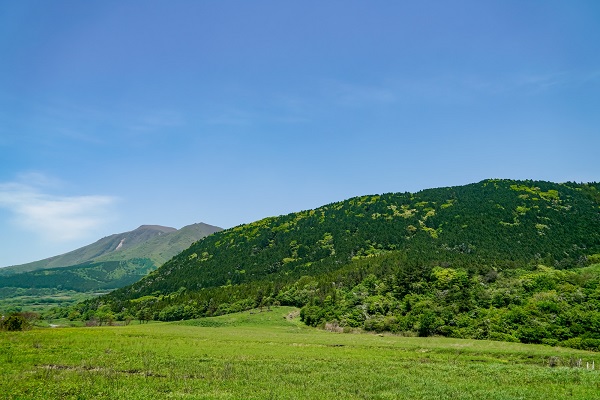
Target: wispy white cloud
point(38, 179)
point(53, 218)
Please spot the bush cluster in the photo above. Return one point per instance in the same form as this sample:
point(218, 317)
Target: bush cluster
point(544, 305)
point(18, 321)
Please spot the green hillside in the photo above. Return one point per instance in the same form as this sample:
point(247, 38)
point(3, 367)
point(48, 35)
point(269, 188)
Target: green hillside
point(90, 276)
point(103, 247)
point(161, 248)
point(154, 242)
point(112, 262)
point(440, 244)
point(496, 222)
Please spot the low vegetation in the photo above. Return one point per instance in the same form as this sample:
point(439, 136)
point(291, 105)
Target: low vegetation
point(272, 355)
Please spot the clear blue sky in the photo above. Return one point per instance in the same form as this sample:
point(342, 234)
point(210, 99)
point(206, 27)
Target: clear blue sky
point(115, 114)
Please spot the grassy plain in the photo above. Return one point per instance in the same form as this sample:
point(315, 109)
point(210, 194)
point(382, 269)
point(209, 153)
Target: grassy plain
point(268, 356)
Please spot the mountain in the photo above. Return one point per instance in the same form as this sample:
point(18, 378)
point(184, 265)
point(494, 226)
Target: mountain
point(103, 247)
point(499, 259)
point(492, 222)
point(111, 262)
point(161, 247)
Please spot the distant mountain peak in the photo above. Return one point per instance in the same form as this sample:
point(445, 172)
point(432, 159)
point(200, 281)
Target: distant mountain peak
point(159, 228)
point(146, 241)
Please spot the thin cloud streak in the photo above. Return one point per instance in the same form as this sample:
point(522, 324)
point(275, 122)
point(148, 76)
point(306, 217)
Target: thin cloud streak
point(157, 121)
point(355, 95)
point(54, 218)
point(93, 124)
point(540, 82)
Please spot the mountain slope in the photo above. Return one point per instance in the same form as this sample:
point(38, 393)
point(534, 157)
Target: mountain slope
point(111, 262)
point(161, 242)
point(162, 248)
point(104, 246)
point(499, 260)
point(494, 222)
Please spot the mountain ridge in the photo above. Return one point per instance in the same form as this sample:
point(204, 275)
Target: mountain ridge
point(101, 250)
point(109, 263)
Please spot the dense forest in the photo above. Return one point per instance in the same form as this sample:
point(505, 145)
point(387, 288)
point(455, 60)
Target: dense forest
point(499, 259)
point(83, 277)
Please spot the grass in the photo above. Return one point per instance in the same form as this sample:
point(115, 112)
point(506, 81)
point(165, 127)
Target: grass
point(268, 356)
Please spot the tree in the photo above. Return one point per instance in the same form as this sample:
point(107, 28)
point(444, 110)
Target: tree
point(428, 323)
point(143, 315)
point(15, 322)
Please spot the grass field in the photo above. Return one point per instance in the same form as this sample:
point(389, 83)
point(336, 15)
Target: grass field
point(268, 356)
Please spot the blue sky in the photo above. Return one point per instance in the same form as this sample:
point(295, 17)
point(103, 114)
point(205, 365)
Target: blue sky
point(115, 114)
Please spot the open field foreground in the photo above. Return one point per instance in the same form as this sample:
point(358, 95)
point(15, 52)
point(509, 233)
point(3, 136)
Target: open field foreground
point(268, 356)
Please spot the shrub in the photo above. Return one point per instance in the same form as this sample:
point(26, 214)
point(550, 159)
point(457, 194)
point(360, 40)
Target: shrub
point(375, 324)
point(15, 322)
point(582, 344)
point(533, 333)
point(428, 324)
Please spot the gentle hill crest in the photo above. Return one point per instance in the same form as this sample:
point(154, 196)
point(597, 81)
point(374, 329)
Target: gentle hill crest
point(493, 221)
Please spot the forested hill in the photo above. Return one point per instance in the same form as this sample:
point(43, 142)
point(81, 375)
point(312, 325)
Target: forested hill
point(494, 223)
point(499, 259)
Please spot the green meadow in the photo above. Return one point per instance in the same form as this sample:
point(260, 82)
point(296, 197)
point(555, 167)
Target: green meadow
point(272, 355)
